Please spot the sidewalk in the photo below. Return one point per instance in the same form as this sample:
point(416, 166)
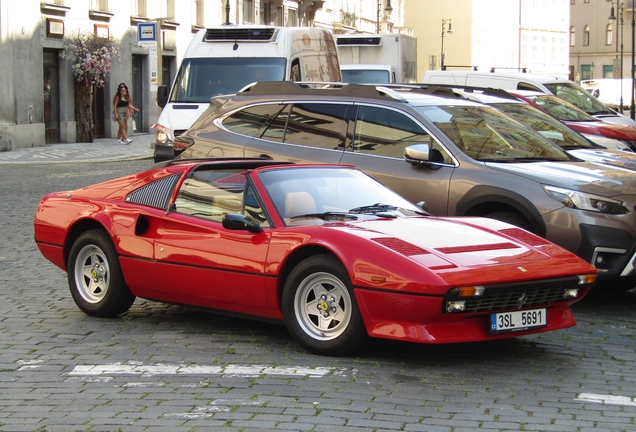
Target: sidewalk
point(100, 150)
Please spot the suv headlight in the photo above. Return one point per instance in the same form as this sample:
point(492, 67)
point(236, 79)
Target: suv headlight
point(584, 201)
point(165, 136)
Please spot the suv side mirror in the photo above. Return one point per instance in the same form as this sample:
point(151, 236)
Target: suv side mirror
point(162, 96)
point(422, 154)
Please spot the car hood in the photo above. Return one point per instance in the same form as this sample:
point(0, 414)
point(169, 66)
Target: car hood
point(615, 158)
point(581, 176)
point(462, 248)
point(611, 130)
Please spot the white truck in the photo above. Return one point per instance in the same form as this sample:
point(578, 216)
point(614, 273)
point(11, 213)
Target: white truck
point(608, 91)
point(378, 58)
point(222, 60)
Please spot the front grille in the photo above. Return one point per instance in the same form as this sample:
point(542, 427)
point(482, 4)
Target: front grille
point(237, 34)
point(518, 295)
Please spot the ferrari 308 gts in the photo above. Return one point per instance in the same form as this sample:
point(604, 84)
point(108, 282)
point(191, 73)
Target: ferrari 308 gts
point(326, 249)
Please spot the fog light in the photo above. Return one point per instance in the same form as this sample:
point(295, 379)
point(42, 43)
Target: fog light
point(571, 293)
point(455, 306)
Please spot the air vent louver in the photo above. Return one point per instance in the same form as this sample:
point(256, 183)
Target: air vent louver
point(156, 194)
point(359, 41)
point(238, 34)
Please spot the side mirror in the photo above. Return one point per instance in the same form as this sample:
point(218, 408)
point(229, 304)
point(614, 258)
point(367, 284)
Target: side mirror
point(240, 222)
point(422, 154)
point(162, 96)
point(423, 205)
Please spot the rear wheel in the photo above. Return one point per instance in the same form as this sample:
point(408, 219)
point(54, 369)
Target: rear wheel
point(512, 218)
point(95, 278)
point(320, 309)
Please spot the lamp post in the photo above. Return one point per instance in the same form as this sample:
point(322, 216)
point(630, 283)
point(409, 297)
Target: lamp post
point(227, 12)
point(387, 9)
point(632, 108)
point(444, 31)
point(612, 17)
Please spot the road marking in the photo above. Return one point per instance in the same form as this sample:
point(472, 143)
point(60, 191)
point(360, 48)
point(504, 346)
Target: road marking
point(247, 371)
point(606, 399)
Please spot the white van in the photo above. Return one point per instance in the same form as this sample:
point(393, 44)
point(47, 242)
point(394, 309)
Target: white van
point(561, 87)
point(222, 60)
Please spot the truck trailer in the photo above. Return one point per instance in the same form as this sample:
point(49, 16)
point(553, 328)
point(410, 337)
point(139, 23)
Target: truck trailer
point(379, 58)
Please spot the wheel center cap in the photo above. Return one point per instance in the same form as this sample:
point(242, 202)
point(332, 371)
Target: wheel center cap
point(324, 306)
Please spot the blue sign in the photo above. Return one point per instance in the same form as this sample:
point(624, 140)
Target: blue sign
point(147, 32)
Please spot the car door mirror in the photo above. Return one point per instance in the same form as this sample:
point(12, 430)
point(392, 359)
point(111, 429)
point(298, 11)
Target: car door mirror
point(422, 154)
point(240, 222)
point(162, 95)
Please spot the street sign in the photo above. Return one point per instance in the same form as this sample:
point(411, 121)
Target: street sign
point(147, 34)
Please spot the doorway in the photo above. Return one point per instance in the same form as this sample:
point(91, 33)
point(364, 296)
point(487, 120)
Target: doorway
point(137, 93)
point(98, 112)
point(51, 96)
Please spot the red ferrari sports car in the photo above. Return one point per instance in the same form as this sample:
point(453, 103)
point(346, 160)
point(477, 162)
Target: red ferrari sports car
point(326, 249)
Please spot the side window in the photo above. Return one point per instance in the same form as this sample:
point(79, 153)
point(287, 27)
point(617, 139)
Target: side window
point(526, 86)
point(211, 194)
point(276, 129)
point(317, 125)
point(252, 120)
point(295, 71)
point(385, 132)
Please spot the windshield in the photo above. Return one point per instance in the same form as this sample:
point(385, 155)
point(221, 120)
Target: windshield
point(560, 109)
point(545, 125)
point(579, 97)
point(366, 76)
point(201, 78)
point(316, 190)
point(487, 135)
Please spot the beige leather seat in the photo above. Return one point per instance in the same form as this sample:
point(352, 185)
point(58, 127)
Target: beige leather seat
point(299, 203)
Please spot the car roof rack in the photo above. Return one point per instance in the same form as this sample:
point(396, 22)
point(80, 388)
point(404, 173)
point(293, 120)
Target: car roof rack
point(320, 88)
point(452, 90)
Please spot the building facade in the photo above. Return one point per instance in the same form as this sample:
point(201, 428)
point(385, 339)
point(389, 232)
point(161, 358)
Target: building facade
point(37, 103)
point(504, 35)
point(600, 39)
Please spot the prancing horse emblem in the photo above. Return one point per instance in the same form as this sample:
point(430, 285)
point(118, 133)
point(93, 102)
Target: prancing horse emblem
point(522, 269)
point(522, 300)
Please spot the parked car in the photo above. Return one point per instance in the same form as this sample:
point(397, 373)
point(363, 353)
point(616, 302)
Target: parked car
point(331, 252)
point(560, 87)
point(565, 137)
point(603, 133)
point(461, 157)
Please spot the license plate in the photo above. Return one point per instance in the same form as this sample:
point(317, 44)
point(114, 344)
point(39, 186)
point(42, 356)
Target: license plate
point(517, 321)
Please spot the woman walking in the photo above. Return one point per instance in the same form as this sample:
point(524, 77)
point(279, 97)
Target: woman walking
point(122, 109)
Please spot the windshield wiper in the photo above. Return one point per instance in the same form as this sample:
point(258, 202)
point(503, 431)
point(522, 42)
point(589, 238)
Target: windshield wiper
point(373, 209)
point(327, 216)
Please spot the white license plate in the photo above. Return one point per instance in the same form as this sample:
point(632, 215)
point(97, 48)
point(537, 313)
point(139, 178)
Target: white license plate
point(517, 321)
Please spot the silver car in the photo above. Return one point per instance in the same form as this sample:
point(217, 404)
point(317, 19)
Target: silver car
point(458, 156)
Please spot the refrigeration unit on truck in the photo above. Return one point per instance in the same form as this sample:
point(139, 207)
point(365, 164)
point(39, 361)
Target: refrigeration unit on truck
point(379, 58)
point(223, 60)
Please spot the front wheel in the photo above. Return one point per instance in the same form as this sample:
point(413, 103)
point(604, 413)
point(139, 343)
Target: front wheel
point(95, 278)
point(320, 308)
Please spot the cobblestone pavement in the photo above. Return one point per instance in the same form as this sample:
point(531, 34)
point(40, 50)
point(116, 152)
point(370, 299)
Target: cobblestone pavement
point(100, 150)
point(169, 368)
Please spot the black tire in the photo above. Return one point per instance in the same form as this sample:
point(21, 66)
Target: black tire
point(512, 218)
point(95, 278)
point(320, 309)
